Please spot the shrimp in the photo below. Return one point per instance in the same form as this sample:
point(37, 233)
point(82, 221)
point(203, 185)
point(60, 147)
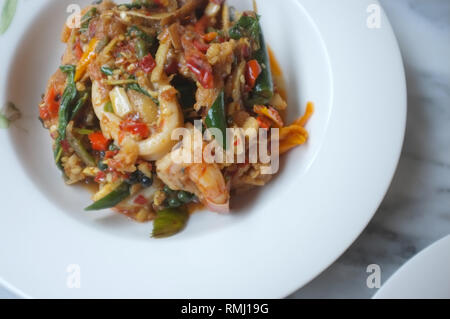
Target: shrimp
point(160, 141)
point(204, 180)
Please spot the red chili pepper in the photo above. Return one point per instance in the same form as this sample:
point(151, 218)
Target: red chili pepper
point(252, 73)
point(201, 25)
point(210, 36)
point(264, 122)
point(135, 127)
point(77, 50)
point(202, 47)
point(51, 107)
point(202, 70)
point(98, 141)
point(44, 114)
point(65, 146)
point(141, 200)
point(100, 177)
point(245, 51)
point(147, 63)
point(172, 68)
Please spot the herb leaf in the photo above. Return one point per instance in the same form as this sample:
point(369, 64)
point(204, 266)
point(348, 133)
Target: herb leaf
point(216, 118)
point(65, 112)
point(112, 199)
point(246, 27)
point(169, 222)
point(136, 87)
point(8, 12)
point(9, 114)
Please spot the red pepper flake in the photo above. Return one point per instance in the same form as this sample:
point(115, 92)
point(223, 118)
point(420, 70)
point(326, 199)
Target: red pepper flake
point(201, 25)
point(172, 68)
point(202, 70)
point(264, 122)
point(51, 108)
point(98, 141)
point(210, 36)
point(252, 73)
point(100, 177)
point(65, 146)
point(147, 63)
point(44, 114)
point(201, 46)
point(135, 127)
point(78, 52)
point(141, 200)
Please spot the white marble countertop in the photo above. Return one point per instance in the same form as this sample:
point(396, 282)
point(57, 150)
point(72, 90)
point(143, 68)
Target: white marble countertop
point(416, 211)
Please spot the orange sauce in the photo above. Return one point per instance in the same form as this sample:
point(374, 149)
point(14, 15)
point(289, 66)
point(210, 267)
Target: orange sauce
point(278, 78)
point(277, 74)
point(91, 186)
point(192, 208)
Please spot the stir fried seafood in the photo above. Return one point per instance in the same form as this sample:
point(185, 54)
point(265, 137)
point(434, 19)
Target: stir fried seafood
point(134, 73)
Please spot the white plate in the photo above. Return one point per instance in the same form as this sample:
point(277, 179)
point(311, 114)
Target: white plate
point(279, 238)
point(426, 276)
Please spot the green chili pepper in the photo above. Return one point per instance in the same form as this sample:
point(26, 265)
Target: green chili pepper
point(83, 131)
point(169, 222)
point(65, 112)
point(263, 91)
point(78, 147)
point(216, 118)
point(141, 48)
point(250, 27)
point(101, 44)
point(135, 31)
point(186, 89)
point(112, 199)
point(80, 103)
point(246, 27)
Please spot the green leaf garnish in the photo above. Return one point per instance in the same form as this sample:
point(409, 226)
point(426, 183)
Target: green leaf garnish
point(170, 222)
point(8, 12)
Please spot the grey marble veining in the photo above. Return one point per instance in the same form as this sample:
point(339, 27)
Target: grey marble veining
point(416, 210)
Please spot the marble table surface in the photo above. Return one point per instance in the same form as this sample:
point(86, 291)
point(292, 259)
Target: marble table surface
point(416, 210)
